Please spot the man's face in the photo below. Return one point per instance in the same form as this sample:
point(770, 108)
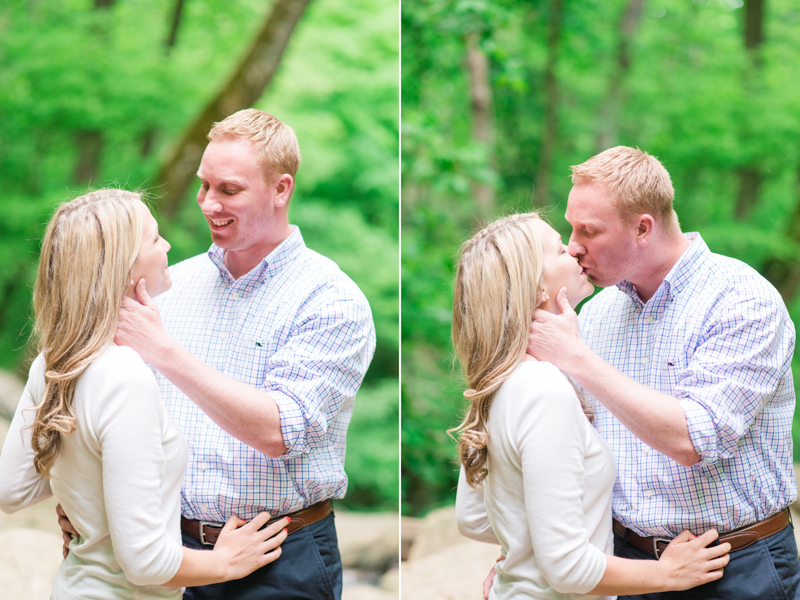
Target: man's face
point(604, 246)
point(234, 196)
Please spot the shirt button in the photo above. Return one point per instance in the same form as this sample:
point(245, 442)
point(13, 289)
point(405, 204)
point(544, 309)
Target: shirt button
point(646, 450)
point(223, 335)
point(648, 493)
point(644, 361)
point(235, 295)
point(650, 318)
point(208, 422)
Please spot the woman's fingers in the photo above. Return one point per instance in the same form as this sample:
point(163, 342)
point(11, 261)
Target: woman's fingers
point(233, 523)
point(718, 550)
point(275, 528)
point(271, 556)
point(708, 537)
point(259, 520)
point(274, 541)
point(683, 536)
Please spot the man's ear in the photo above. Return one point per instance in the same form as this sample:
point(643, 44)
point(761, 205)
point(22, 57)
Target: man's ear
point(284, 187)
point(644, 229)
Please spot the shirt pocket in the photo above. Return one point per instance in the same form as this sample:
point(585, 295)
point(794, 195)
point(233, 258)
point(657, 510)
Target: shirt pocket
point(249, 359)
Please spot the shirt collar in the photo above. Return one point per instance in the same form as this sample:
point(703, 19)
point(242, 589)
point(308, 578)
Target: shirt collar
point(282, 255)
point(679, 274)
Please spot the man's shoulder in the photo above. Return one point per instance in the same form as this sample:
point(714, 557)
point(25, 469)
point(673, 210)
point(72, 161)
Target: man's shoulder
point(321, 275)
point(730, 281)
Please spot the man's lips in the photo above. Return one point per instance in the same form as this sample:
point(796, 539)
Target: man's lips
point(220, 222)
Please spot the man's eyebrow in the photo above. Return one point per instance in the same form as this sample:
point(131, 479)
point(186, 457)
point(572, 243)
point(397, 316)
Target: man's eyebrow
point(591, 223)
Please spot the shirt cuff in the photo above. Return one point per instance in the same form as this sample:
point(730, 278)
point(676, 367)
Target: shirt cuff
point(293, 426)
point(702, 432)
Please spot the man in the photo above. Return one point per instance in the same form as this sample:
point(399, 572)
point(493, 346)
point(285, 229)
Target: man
point(689, 355)
point(265, 346)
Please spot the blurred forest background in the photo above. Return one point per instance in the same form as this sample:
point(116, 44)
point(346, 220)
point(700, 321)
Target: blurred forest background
point(500, 97)
point(122, 92)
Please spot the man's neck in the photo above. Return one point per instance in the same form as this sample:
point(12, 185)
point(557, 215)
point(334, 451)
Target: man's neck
point(661, 257)
point(241, 262)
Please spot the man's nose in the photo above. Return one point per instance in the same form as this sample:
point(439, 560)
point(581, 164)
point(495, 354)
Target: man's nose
point(574, 247)
point(210, 204)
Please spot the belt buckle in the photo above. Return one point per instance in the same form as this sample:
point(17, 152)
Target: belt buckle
point(655, 546)
point(203, 533)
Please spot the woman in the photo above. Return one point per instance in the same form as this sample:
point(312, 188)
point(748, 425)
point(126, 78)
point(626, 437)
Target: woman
point(91, 427)
point(536, 477)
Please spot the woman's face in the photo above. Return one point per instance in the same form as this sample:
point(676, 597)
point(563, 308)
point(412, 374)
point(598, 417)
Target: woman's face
point(151, 262)
point(560, 270)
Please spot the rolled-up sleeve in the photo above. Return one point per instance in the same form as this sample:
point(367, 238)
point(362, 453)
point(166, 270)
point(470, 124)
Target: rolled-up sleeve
point(738, 366)
point(320, 369)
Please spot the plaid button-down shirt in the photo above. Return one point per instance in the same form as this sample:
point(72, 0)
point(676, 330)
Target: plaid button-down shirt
point(299, 329)
point(717, 336)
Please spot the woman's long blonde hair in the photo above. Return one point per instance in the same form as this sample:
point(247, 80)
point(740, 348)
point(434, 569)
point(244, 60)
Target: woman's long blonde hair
point(498, 286)
point(87, 255)
point(498, 283)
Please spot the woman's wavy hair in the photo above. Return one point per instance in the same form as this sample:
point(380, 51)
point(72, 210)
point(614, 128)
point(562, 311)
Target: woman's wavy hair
point(86, 259)
point(498, 286)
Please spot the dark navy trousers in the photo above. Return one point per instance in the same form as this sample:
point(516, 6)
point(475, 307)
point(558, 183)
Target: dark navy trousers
point(309, 568)
point(766, 570)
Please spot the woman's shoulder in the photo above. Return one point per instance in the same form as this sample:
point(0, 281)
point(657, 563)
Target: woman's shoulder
point(533, 389)
point(120, 364)
point(536, 378)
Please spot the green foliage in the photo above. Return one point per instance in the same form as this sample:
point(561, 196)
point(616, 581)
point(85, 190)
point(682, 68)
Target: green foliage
point(693, 96)
point(373, 449)
point(74, 76)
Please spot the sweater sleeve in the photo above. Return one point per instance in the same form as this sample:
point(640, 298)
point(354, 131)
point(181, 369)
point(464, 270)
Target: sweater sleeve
point(20, 484)
point(551, 433)
point(473, 522)
point(128, 421)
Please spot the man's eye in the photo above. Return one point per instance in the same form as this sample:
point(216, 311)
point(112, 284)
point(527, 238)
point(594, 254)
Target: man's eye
point(228, 192)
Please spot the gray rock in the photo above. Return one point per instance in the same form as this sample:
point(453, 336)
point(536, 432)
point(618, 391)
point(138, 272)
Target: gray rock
point(438, 530)
point(368, 541)
point(453, 573)
point(29, 560)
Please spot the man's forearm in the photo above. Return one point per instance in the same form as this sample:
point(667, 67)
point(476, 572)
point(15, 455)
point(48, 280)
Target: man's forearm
point(250, 415)
point(655, 418)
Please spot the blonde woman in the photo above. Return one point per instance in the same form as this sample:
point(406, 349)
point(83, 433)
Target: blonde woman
point(536, 477)
point(91, 428)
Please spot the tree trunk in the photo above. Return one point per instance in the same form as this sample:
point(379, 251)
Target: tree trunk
point(750, 176)
point(177, 16)
point(749, 186)
point(90, 151)
point(784, 274)
point(609, 111)
point(243, 88)
point(541, 192)
point(480, 94)
point(754, 28)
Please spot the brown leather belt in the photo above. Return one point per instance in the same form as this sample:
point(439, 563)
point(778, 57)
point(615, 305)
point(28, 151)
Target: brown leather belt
point(738, 539)
point(208, 533)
